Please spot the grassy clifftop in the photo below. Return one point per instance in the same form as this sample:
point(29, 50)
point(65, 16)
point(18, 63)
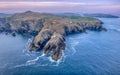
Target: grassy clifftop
point(32, 22)
point(49, 30)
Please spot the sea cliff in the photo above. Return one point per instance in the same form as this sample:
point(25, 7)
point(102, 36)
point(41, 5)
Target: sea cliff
point(48, 30)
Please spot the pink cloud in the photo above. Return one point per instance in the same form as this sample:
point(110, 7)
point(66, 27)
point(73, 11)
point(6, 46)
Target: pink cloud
point(58, 7)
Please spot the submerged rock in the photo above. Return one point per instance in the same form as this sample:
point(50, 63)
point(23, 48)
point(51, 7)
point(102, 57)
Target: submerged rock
point(13, 34)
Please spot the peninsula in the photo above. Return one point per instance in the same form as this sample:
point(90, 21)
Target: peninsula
point(48, 30)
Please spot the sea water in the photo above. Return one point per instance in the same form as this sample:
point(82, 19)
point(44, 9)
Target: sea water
point(91, 53)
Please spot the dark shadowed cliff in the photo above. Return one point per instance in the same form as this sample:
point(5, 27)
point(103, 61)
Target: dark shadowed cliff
point(49, 30)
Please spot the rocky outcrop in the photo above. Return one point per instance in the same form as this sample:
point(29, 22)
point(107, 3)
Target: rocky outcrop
point(51, 38)
point(49, 41)
point(23, 23)
point(49, 30)
point(41, 39)
point(55, 45)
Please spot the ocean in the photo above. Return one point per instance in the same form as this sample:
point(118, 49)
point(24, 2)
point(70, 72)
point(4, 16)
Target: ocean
point(91, 53)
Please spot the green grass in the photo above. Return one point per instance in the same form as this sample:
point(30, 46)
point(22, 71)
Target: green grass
point(81, 19)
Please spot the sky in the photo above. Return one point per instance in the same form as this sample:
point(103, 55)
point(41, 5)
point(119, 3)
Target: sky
point(61, 6)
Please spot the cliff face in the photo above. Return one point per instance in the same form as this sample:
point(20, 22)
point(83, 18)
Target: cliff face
point(27, 23)
point(41, 39)
point(49, 41)
point(49, 29)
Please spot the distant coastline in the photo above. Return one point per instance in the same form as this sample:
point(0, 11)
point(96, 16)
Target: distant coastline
point(100, 15)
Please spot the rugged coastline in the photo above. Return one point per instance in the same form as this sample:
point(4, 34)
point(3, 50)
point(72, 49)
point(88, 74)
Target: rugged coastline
point(48, 29)
point(100, 15)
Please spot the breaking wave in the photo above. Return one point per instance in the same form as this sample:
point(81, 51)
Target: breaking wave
point(38, 60)
point(41, 59)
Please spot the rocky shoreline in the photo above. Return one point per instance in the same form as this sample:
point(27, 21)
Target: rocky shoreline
point(49, 30)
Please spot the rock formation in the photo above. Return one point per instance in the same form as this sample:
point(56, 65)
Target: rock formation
point(49, 30)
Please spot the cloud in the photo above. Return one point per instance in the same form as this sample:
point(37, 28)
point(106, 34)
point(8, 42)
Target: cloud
point(58, 7)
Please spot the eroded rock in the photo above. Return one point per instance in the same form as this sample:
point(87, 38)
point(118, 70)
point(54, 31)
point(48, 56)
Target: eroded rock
point(41, 39)
point(48, 29)
point(55, 45)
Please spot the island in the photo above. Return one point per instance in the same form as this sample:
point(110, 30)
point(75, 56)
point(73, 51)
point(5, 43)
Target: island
point(100, 15)
point(49, 30)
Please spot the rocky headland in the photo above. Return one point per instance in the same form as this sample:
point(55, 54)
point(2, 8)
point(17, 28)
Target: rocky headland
point(100, 15)
point(48, 30)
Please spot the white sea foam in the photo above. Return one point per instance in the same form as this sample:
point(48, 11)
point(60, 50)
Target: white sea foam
point(21, 65)
point(26, 64)
point(53, 61)
point(56, 63)
point(50, 61)
point(33, 60)
point(43, 55)
point(30, 62)
point(74, 50)
point(36, 59)
point(73, 43)
point(27, 45)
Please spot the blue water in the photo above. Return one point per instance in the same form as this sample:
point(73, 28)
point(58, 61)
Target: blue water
point(94, 53)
